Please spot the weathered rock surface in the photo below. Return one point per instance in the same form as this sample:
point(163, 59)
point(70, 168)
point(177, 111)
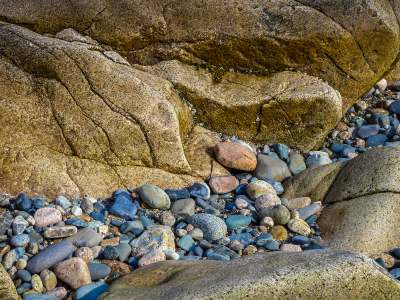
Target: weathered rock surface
point(7, 287)
point(84, 123)
point(319, 274)
point(376, 171)
point(363, 194)
point(367, 224)
point(327, 39)
point(274, 108)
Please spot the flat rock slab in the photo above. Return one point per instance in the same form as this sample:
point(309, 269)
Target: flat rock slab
point(318, 274)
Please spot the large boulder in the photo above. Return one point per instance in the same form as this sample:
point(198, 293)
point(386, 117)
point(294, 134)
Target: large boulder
point(349, 43)
point(319, 274)
point(76, 122)
point(7, 287)
point(362, 197)
point(273, 108)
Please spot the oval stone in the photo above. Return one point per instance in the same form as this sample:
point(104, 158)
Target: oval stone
point(47, 215)
point(73, 271)
point(223, 184)
point(154, 196)
point(235, 156)
point(213, 227)
point(256, 188)
point(50, 256)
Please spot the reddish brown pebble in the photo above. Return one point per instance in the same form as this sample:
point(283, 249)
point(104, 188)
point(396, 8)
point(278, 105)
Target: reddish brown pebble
point(152, 257)
point(223, 184)
point(235, 156)
point(290, 248)
point(117, 267)
point(85, 218)
point(341, 126)
point(73, 271)
point(47, 215)
point(85, 253)
point(4, 250)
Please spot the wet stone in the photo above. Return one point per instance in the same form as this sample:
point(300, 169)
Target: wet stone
point(235, 221)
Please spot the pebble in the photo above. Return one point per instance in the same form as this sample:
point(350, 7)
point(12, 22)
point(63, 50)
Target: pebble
point(299, 226)
point(23, 202)
point(62, 201)
point(36, 283)
point(184, 208)
point(296, 164)
point(279, 214)
point(259, 187)
point(200, 190)
point(159, 237)
point(235, 156)
point(46, 216)
point(376, 140)
point(186, 243)
point(19, 225)
point(213, 227)
point(90, 291)
point(266, 200)
point(123, 208)
point(279, 233)
point(20, 240)
point(300, 240)
point(24, 275)
point(56, 232)
point(290, 248)
point(308, 211)
point(271, 167)
point(177, 194)
point(74, 272)
point(154, 197)
point(124, 250)
point(50, 256)
point(49, 279)
point(223, 184)
point(110, 252)
point(235, 221)
point(318, 159)
point(85, 253)
point(58, 293)
point(151, 257)
point(98, 271)
point(85, 237)
point(297, 203)
point(39, 297)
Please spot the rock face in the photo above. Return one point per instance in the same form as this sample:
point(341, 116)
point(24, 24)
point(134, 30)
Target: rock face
point(363, 194)
point(97, 123)
point(7, 288)
point(330, 39)
point(319, 274)
point(274, 108)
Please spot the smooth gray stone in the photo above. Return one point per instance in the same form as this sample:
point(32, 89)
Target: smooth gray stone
point(50, 256)
point(308, 211)
point(271, 167)
point(86, 236)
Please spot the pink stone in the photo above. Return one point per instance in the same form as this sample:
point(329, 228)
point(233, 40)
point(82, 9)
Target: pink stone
point(352, 155)
point(223, 184)
point(241, 203)
point(47, 215)
point(60, 293)
point(266, 200)
point(151, 257)
point(290, 248)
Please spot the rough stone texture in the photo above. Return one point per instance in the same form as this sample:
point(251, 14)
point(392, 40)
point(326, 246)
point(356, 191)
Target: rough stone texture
point(204, 165)
point(319, 274)
point(271, 167)
point(367, 224)
point(60, 232)
point(73, 271)
point(7, 287)
point(376, 171)
point(328, 39)
point(285, 98)
point(47, 215)
point(313, 182)
point(235, 156)
point(259, 187)
point(156, 237)
point(223, 184)
point(97, 123)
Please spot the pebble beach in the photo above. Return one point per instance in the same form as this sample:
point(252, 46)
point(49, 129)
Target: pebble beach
point(75, 248)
